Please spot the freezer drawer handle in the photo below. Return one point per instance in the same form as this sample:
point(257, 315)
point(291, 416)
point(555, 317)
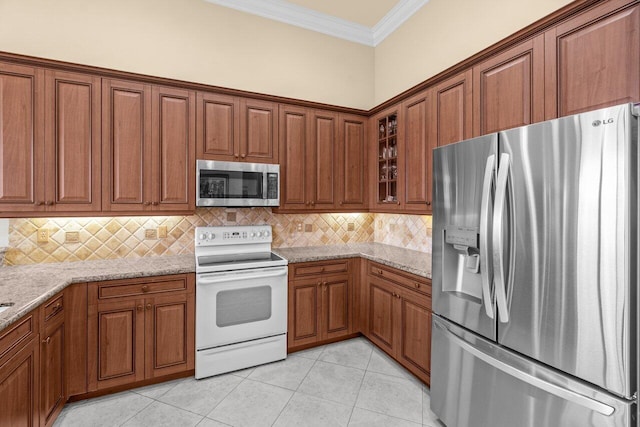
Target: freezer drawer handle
point(485, 214)
point(562, 393)
point(498, 238)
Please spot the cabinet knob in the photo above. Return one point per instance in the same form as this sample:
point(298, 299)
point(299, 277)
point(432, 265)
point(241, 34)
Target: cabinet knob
point(428, 203)
point(148, 306)
point(155, 203)
point(243, 155)
point(39, 203)
point(325, 283)
point(46, 340)
point(145, 288)
point(417, 285)
point(319, 283)
point(140, 308)
point(341, 203)
point(147, 203)
point(380, 272)
point(398, 203)
point(236, 155)
point(313, 203)
point(48, 203)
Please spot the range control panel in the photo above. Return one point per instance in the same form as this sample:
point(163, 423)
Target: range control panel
point(233, 235)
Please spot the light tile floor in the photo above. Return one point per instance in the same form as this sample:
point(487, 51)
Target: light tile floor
point(350, 383)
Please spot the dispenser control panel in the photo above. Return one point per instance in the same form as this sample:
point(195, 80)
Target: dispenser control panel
point(462, 236)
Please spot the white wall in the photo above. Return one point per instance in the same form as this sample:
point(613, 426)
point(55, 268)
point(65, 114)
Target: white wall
point(445, 32)
point(195, 41)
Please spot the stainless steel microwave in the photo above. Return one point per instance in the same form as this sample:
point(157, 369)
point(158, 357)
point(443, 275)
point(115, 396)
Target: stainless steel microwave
point(237, 184)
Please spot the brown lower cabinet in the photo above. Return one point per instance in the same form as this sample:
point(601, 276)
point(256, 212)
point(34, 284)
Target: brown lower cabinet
point(399, 317)
point(52, 357)
point(320, 302)
point(140, 329)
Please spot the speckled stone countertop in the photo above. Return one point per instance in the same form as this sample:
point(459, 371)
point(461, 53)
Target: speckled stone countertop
point(415, 262)
point(28, 286)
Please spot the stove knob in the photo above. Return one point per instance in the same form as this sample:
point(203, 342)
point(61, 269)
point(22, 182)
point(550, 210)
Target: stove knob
point(211, 236)
point(266, 233)
point(203, 236)
point(253, 234)
point(259, 233)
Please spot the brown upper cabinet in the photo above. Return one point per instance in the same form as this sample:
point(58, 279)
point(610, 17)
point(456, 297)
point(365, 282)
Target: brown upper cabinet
point(352, 162)
point(453, 99)
point(419, 138)
point(387, 160)
point(508, 88)
point(50, 141)
point(593, 60)
point(237, 129)
point(148, 148)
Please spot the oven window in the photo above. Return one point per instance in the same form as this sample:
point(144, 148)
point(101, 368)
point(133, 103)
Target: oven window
point(230, 185)
point(239, 306)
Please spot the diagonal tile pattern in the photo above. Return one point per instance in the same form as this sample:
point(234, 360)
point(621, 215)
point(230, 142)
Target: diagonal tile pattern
point(318, 387)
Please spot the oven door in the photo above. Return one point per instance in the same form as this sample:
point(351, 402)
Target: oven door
point(243, 305)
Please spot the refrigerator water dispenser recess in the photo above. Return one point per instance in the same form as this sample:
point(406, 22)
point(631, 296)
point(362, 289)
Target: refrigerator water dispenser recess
point(461, 262)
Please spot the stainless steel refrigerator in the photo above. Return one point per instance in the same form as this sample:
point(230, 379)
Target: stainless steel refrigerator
point(535, 256)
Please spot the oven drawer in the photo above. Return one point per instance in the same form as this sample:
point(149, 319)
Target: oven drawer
point(142, 286)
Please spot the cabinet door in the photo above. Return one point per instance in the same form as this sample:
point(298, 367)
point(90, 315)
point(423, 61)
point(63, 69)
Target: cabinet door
point(73, 142)
point(218, 127)
point(453, 109)
point(126, 141)
point(321, 160)
point(509, 88)
point(383, 327)
point(351, 160)
point(593, 60)
point(387, 160)
point(415, 320)
point(174, 126)
point(21, 139)
point(258, 131)
point(304, 305)
point(336, 306)
point(294, 136)
point(417, 152)
point(52, 372)
point(169, 335)
point(116, 343)
point(19, 386)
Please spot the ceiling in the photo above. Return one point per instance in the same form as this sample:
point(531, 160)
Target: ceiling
point(362, 21)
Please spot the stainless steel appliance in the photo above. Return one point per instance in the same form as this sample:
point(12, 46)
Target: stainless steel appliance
point(241, 299)
point(535, 254)
point(237, 184)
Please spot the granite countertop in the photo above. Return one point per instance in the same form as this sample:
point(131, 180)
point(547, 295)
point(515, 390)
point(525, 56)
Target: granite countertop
point(28, 286)
point(411, 261)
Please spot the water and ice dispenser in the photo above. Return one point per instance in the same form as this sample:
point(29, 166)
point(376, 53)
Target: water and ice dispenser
point(461, 262)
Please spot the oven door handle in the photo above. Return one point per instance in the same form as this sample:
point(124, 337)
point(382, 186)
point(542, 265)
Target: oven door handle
point(235, 277)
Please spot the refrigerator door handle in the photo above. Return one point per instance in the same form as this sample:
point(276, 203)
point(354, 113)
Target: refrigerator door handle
point(556, 390)
point(498, 237)
point(486, 213)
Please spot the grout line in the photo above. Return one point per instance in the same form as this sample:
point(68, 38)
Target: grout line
point(134, 415)
point(360, 388)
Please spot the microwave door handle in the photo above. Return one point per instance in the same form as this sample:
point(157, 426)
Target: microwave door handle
point(498, 237)
point(234, 277)
point(486, 213)
point(265, 185)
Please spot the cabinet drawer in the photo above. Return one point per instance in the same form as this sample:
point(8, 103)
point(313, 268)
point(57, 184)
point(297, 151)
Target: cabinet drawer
point(125, 288)
point(315, 269)
point(18, 334)
point(408, 280)
point(54, 308)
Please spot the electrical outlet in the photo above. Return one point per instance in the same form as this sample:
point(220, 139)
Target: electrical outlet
point(162, 232)
point(150, 234)
point(351, 226)
point(299, 225)
point(72, 237)
point(43, 235)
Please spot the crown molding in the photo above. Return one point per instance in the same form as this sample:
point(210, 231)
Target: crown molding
point(293, 14)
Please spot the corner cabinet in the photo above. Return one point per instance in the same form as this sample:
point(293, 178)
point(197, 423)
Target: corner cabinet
point(140, 329)
point(386, 162)
point(148, 148)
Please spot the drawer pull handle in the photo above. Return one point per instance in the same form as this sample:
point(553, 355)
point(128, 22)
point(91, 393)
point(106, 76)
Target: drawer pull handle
point(145, 288)
point(417, 285)
point(47, 340)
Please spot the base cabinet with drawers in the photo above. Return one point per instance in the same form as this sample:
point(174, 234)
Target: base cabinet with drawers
point(140, 329)
point(320, 302)
point(399, 317)
point(52, 357)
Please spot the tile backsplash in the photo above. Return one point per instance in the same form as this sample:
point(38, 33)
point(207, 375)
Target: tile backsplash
point(76, 239)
